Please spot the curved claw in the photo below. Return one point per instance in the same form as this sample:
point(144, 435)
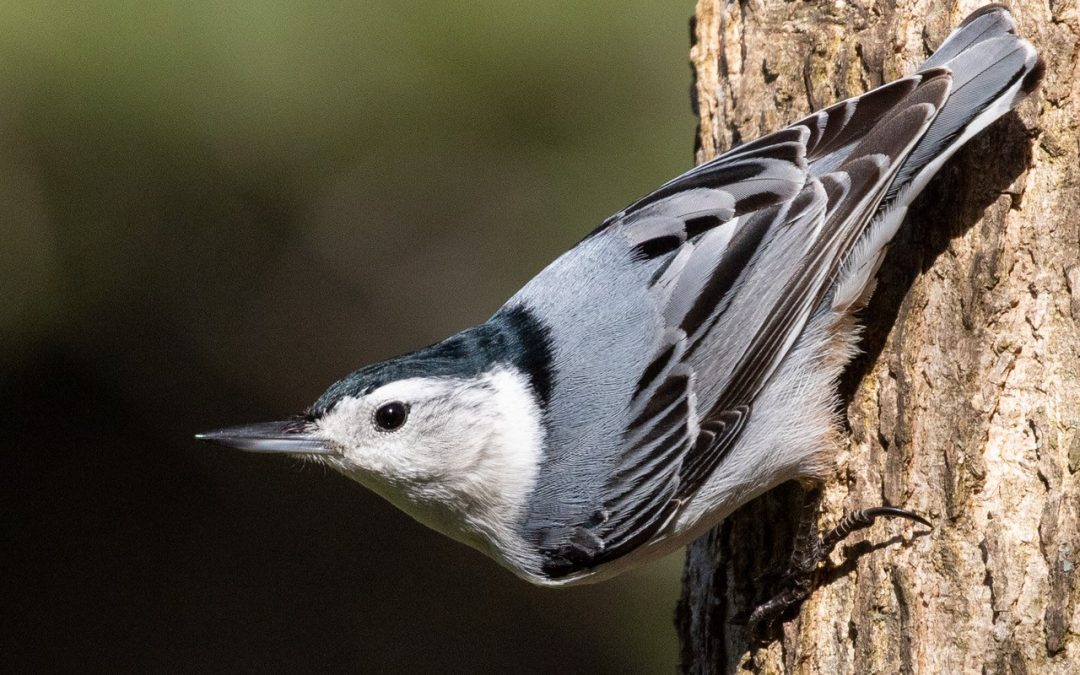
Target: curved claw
point(858, 520)
point(894, 512)
point(810, 552)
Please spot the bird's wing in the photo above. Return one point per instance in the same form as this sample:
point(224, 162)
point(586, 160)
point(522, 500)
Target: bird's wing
point(759, 209)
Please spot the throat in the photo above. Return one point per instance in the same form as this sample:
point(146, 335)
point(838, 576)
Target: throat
point(496, 487)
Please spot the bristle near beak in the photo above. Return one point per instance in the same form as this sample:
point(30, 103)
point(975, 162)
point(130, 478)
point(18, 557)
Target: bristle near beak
point(281, 437)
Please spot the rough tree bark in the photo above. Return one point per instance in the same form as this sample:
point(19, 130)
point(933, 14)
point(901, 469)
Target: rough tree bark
point(966, 404)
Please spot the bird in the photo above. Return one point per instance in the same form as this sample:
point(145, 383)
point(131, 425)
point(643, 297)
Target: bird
point(682, 358)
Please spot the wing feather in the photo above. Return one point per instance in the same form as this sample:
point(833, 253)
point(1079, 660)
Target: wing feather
point(721, 233)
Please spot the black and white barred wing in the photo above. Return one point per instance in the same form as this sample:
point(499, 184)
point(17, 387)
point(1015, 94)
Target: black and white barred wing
point(751, 234)
point(754, 242)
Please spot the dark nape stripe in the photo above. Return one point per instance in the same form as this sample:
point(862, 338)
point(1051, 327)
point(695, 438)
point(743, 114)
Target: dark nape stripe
point(513, 336)
point(527, 341)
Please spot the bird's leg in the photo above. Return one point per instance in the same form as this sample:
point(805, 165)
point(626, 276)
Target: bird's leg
point(804, 543)
point(798, 579)
point(810, 551)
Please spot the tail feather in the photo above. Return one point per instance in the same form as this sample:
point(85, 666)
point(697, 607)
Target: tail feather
point(992, 69)
point(983, 24)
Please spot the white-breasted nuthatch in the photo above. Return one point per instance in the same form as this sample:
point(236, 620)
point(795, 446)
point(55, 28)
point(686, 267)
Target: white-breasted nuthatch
point(678, 361)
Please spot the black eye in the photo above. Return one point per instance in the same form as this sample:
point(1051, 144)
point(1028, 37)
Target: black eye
point(390, 416)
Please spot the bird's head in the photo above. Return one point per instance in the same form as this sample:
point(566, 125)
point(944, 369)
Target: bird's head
point(451, 436)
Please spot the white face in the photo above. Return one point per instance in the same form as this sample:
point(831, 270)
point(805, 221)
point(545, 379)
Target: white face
point(458, 455)
point(410, 431)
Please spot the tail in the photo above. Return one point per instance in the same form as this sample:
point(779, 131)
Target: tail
point(992, 70)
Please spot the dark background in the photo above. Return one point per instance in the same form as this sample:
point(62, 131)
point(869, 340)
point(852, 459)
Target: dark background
point(211, 211)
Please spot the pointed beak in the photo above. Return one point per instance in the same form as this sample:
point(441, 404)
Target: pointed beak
point(287, 437)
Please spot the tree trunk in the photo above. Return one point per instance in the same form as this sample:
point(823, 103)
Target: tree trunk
point(966, 402)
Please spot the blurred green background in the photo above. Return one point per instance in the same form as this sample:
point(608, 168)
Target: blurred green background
point(210, 212)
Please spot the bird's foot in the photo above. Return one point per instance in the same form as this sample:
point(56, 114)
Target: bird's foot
point(810, 551)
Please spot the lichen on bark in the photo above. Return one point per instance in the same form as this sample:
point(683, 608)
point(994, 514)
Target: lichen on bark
point(965, 404)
